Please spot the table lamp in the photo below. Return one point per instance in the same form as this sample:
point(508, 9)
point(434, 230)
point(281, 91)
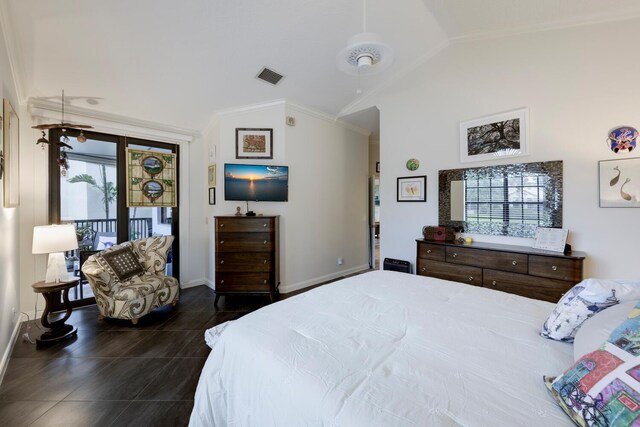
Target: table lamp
point(54, 240)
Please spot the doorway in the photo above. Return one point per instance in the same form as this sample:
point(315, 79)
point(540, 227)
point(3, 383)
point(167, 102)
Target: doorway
point(87, 184)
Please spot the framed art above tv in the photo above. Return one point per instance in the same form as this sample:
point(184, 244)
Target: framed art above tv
point(258, 183)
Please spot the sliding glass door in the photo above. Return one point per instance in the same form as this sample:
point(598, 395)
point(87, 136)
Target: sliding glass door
point(88, 189)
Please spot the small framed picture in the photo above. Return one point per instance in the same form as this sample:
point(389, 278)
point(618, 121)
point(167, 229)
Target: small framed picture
point(412, 189)
point(499, 135)
point(377, 167)
point(211, 175)
point(254, 143)
point(212, 196)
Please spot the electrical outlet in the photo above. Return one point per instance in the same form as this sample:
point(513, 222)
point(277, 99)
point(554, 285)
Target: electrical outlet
point(13, 313)
point(340, 261)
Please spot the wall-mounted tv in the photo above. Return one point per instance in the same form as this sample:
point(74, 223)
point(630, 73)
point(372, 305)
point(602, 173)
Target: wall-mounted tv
point(259, 183)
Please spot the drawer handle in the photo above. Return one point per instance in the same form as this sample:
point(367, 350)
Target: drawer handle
point(424, 268)
point(221, 261)
point(514, 262)
point(494, 283)
point(221, 225)
point(554, 268)
point(221, 282)
point(265, 261)
point(455, 255)
point(265, 282)
point(428, 251)
point(264, 243)
point(471, 278)
point(264, 225)
point(222, 242)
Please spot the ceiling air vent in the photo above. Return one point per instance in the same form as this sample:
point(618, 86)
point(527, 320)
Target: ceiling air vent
point(269, 76)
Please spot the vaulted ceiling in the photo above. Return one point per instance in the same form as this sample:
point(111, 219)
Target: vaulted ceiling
point(177, 62)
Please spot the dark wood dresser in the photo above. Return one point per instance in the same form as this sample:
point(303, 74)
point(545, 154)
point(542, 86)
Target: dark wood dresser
point(247, 255)
point(520, 270)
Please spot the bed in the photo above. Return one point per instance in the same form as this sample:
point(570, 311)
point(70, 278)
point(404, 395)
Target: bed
point(388, 349)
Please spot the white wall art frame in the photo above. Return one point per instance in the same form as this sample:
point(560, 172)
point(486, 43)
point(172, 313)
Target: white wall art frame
point(495, 136)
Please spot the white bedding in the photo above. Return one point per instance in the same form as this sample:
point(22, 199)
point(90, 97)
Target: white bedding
point(387, 349)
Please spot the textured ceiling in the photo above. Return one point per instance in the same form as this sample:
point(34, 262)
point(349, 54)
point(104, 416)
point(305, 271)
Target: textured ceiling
point(177, 62)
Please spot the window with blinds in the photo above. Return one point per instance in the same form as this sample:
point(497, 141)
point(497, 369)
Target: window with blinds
point(510, 199)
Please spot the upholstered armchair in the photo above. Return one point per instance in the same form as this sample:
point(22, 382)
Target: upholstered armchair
point(128, 280)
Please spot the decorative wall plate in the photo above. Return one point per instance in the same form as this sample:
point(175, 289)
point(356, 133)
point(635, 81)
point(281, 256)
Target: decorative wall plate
point(152, 165)
point(152, 189)
point(413, 164)
point(622, 138)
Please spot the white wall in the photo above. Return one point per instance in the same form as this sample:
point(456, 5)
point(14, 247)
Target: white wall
point(325, 217)
point(578, 83)
point(9, 232)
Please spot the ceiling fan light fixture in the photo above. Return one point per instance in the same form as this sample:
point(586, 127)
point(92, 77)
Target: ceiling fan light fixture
point(81, 138)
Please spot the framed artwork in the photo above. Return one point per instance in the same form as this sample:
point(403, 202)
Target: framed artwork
point(499, 135)
point(212, 196)
point(10, 156)
point(377, 167)
point(151, 179)
point(211, 175)
point(254, 143)
point(412, 189)
point(619, 183)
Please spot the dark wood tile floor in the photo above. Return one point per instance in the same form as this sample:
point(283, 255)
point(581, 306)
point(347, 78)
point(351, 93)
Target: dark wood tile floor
point(116, 374)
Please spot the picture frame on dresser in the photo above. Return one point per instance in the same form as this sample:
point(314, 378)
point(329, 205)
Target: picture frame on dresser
point(619, 183)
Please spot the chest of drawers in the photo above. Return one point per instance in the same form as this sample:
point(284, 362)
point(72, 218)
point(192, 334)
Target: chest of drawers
point(519, 270)
point(246, 259)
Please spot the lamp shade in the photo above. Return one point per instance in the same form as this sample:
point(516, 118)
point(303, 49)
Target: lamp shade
point(54, 238)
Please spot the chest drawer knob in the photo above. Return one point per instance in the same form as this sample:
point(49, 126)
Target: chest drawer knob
point(265, 261)
point(221, 282)
point(265, 282)
point(222, 242)
point(471, 278)
point(428, 251)
point(264, 243)
point(264, 225)
point(221, 261)
point(221, 225)
point(514, 262)
point(455, 254)
point(424, 268)
point(554, 268)
point(494, 283)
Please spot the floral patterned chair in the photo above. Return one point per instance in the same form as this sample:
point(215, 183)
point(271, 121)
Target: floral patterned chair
point(128, 280)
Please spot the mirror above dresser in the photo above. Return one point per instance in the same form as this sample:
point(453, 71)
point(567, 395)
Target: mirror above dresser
point(505, 200)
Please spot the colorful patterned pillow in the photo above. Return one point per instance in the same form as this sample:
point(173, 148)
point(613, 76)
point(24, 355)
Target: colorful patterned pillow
point(583, 301)
point(120, 262)
point(603, 387)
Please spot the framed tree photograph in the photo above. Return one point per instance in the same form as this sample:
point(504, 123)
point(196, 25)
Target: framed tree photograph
point(412, 189)
point(254, 143)
point(619, 183)
point(498, 135)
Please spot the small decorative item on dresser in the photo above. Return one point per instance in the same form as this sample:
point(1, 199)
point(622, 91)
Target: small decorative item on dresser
point(440, 234)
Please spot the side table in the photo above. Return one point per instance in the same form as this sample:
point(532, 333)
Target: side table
point(51, 293)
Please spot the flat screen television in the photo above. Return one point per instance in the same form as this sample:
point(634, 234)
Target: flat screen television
point(259, 183)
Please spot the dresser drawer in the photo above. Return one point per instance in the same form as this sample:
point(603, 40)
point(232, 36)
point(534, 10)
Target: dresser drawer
point(457, 273)
point(244, 261)
point(244, 282)
point(244, 242)
point(556, 268)
point(507, 261)
point(429, 251)
point(244, 224)
point(527, 286)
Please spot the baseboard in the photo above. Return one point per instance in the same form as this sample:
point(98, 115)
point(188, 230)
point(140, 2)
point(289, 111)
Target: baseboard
point(317, 280)
point(4, 363)
point(193, 283)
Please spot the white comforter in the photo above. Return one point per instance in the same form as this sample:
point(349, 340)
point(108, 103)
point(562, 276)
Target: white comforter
point(385, 349)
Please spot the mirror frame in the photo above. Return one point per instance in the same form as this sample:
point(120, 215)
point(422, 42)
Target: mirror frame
point(553, 197)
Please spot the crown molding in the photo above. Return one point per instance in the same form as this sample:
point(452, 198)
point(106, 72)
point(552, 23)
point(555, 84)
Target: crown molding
point(328, 118)
point(14, 62)
point(112, 123)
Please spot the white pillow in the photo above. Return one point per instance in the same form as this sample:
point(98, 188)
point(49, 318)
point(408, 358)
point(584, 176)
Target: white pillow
point(583, 301)
point(596, 329)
